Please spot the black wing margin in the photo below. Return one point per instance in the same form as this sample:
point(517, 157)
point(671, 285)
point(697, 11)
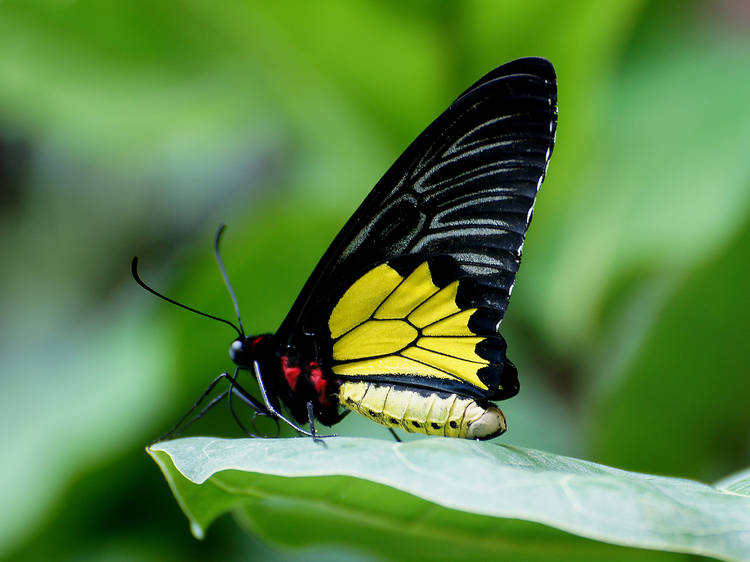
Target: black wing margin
point(464, 188)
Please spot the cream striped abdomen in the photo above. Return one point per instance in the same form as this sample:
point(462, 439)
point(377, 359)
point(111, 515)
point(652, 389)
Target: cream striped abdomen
point(422, 411)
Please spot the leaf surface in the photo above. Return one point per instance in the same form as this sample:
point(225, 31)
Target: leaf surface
point(444, 496)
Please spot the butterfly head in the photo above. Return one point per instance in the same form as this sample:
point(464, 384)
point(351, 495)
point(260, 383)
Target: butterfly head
point(238, 352)
point(246, 349)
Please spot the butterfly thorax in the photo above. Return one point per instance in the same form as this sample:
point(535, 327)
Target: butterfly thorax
point(291, 376)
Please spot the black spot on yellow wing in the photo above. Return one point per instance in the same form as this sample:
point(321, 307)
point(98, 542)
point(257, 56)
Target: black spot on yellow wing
point(419, 320)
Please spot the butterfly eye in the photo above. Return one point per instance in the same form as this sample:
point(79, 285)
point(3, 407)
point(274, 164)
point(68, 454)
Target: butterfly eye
point(236, 349)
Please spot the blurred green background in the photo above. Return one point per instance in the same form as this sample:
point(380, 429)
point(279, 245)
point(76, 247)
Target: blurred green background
point(137, 127)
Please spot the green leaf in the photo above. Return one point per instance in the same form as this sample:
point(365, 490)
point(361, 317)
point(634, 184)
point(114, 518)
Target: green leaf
point(738, 483)
point(444, 497)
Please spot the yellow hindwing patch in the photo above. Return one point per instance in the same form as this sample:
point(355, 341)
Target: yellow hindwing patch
point(439, 306)
point(374, 337)
point(386, 324)
point(362, 298)
point(408, 295)
point(464, 348)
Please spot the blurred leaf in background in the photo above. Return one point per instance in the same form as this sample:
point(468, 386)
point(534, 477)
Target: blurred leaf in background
point(137, 127)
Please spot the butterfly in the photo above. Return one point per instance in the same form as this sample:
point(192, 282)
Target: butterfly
point(400, 318)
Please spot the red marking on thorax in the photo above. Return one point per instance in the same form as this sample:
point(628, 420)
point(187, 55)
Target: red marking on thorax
point(316, 377)
point(291, 374)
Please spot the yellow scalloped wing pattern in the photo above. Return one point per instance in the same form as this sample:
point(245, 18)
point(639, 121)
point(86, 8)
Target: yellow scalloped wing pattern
point(386, 324)
point(362, 298)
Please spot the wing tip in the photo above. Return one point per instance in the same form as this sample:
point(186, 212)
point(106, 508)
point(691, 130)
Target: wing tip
point(538, 67)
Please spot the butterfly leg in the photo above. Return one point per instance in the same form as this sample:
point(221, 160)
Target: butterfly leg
point(274, 412)
point(250, 400)
point(395, 435)
point(178, 427)
point(311, 418)
point(236, 390)
point(181, 426)
point(273, 419)
point(270, 408)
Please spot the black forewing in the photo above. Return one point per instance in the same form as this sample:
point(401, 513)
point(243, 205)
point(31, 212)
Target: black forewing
point(465, 188)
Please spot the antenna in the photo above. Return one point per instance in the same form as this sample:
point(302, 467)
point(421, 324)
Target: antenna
point(222, 227)
point(134, 270)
